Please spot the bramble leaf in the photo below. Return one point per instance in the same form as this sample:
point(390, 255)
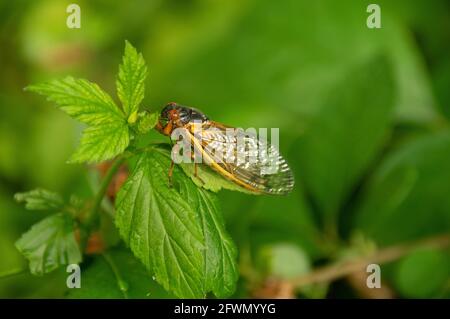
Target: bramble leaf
point(147, 121)
point(83, 100)
point(40, 199)
point(108, 134)
point(50, 244)
point(194, 229)
point(160, 227)
point(111, 278)
point(131, 79)
point(210, 180)
point(103, 142)
point(220, 272)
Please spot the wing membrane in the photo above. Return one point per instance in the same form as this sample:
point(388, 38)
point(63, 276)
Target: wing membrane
point(243, 158)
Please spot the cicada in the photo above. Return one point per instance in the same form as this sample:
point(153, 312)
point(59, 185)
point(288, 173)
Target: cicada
point(231, 155)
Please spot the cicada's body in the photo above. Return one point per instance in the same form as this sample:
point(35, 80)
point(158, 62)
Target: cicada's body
point(222, 151)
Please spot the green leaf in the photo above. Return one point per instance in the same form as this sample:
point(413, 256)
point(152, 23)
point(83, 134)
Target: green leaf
point(50, 244)
point(210, 180)
point(265, 220)
point(40, 199)
point(102, 142)
point(220, 272)
point(407, 197)
point(297, 68)
point(161, 228)
point(217, 268)
point(108, 134)
point(284, 260)
point(422, 274)
point(83, 100)
point(147, 121)
point(112, 278)
point(333, 156)
point(131, 79)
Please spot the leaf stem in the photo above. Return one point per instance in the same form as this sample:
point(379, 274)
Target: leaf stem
point(336, 271)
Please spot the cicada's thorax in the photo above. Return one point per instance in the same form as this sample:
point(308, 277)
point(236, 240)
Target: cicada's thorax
point(175, 116)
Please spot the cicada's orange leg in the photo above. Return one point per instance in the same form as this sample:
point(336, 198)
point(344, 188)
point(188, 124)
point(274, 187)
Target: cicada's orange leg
point(166, 130)
point(196, 173)
point(159, 127)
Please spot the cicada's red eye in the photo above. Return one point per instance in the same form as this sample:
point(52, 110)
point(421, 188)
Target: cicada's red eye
point(173, 115)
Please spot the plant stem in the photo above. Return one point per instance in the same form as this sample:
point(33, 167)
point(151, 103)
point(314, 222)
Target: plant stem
point(12, 273)
point(336, 271)
point(105, 183)
point(93, 212)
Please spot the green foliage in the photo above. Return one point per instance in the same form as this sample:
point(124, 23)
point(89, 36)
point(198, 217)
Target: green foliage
point(333, 158)
point(146, 121)
point(220, 269)
point(363, 117)
point(107, 275)
point(40, 199)
point(50, 244)
point(160, 227)
point(103, 142)
point(179, 236)
point(107, 135)
point(414, 178)
point(271, 220)
point(422, 274)
point(131, 80)
point(287, 62)
point(210, 180)
point(285, 261)
point(83, 100)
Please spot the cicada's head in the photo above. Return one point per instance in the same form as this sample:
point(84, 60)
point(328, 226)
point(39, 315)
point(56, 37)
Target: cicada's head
point(180, 115)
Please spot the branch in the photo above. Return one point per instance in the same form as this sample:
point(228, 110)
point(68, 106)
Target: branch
point(105, 183)
point(339, 270)
point(12, 273)
point(92, 214)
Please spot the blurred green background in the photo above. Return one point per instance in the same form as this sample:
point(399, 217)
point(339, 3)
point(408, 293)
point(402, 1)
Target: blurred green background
point(363, 117)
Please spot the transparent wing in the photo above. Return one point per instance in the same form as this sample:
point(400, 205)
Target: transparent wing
point(247, 159)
